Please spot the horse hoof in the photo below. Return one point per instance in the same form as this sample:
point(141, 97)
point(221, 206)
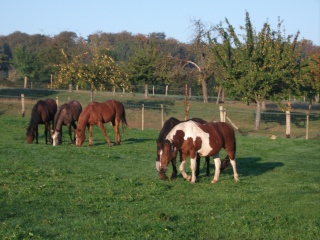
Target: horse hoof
point(214, 181)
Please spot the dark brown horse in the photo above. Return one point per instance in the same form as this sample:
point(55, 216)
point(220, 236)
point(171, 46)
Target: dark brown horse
point(67, 115)
point(167, 127)
point(98, 114)
point(194, 139)
point(42, 113)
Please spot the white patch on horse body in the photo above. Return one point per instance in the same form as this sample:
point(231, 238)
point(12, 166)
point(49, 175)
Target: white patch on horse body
point(192, 130)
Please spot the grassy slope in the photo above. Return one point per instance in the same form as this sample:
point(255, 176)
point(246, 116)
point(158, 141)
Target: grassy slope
point(68, 192)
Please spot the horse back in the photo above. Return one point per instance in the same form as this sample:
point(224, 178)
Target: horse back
point(222, 134)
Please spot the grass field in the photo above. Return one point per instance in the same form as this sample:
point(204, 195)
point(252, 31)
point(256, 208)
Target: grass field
point(69, 192)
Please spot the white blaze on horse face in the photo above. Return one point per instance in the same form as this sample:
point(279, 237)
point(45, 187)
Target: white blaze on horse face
point(158, 164)
point(55, 138)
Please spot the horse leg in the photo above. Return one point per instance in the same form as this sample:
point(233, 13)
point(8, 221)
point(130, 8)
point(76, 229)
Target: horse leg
point(37, 134)
point(103, 130)
point(217, 164)
point(74, 132)
point(193, 164)
point(90, 134)
point(174, 168)
point(234, 167)
point(208, 166)
point(70, 134)
point(117, 138)
point(181, 167)
point(198, 166)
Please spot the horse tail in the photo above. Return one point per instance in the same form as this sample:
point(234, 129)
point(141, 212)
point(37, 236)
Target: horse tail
point(123, 118)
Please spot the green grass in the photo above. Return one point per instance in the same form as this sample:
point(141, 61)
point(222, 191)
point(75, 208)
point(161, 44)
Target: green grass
point(69, 192)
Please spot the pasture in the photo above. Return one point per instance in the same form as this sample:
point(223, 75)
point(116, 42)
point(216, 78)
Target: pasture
point(69, 192)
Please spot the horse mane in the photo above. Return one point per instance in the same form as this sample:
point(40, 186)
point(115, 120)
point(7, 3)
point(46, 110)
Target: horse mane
point(167, 126)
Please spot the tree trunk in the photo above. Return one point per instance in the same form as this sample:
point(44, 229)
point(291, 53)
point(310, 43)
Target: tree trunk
point(258, 115)
point(204, 89)
point(288, 124)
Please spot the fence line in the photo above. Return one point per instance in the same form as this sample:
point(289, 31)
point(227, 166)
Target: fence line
point(303, 125)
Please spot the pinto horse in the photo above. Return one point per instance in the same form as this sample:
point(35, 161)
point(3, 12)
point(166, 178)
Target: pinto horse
point(67, 114)
point(97, 114)
point(167, 127)
point(42, 113)
point(194, 139)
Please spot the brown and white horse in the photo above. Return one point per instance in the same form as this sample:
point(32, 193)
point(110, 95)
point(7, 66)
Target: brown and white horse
point(96, 113)
point(167, 127)
point(194, 139)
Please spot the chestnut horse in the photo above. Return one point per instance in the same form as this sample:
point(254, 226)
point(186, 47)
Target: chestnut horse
point(194, 139)
point(67, 114)
point(98, 114)
point(167, 127)
point(42, 113)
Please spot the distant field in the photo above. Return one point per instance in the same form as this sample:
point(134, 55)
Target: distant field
point(69, 192)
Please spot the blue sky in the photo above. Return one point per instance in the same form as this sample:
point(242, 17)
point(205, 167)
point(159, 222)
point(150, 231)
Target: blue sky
point(173, 17)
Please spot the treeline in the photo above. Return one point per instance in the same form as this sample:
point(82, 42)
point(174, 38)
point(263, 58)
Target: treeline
point(102, 59)
point(252, 66)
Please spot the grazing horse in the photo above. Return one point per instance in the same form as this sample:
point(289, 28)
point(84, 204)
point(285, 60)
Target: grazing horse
point(42, 113)
point(167, 127)
point(194, 139)
point(98, 114)
point(67, 114)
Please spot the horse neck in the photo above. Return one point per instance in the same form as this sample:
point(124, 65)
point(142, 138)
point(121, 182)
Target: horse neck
point(34, 118)
point(83, 120)
point(57, 121)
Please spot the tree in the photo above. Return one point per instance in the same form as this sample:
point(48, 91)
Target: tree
point(201, 56)
point(144, 66)
point(264, 66)
point(23, 61)
point(95, 68)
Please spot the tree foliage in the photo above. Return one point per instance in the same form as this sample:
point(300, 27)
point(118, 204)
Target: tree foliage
point(95, 68)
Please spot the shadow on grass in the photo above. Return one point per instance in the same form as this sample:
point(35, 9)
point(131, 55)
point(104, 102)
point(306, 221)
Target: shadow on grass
point(124, 142)
point(250, 166)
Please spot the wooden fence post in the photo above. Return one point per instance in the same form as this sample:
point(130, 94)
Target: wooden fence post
point(222, 114)
point(57, 101)
point(152, 90)
point(23, 110)
point(113, 90)
point(25, 82)
point(288, 124)
point(167, 90)
point(307, 126)
point(142, 118)
point(162, 115)
point(51, 81)
point(146, 91)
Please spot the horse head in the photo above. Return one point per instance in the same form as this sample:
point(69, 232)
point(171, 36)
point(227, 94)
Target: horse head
point(166, 153)
point(80, 136)
point(30, 135)
point(55, 137)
